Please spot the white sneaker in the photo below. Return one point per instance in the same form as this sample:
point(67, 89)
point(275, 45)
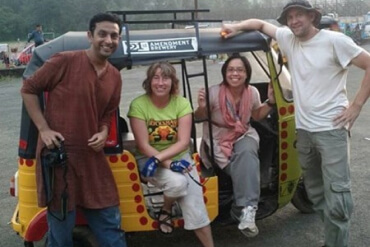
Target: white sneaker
point(247, 223)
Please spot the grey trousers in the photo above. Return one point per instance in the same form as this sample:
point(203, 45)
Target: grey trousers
point(324, 158)
point(245, 172)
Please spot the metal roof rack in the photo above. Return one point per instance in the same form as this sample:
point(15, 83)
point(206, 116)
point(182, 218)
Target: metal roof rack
point(193, 16)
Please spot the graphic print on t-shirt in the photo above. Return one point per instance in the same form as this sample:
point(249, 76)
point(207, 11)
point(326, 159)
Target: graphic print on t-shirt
point(162, 131)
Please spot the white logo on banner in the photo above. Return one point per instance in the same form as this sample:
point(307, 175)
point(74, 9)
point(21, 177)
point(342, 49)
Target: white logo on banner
point(162, 45)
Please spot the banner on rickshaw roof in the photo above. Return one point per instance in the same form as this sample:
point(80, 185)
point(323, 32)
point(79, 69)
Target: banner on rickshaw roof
point(187, 44)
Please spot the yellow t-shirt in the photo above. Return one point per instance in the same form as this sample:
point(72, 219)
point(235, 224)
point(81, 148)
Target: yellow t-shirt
point(162, 123)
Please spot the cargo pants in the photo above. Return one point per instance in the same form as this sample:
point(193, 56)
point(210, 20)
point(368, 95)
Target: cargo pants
point(324, 158)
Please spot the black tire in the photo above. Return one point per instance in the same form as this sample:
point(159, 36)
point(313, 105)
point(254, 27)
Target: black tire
point(28, 244)
point(300, 199)
point(82, 237)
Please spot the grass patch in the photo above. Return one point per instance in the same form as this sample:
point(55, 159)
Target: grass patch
point(9, 78)
point(5, 78)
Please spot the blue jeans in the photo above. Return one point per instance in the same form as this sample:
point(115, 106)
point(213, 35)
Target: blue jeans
point(104, 223)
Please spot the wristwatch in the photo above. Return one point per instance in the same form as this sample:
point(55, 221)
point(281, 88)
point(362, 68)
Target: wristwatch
point(269, 103)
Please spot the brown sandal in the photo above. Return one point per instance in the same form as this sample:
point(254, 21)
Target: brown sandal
point(164, 221)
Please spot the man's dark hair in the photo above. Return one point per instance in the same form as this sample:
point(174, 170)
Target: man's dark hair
point(38, 25)
point(104, 17)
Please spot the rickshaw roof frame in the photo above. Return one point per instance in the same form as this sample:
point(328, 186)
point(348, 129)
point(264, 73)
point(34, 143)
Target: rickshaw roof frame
point(201, 42)
point(194, 15)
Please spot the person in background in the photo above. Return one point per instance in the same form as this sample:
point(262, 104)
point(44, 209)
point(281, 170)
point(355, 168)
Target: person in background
point(37, 36)
point(93, 88)
point(5, 59)
point(161, 122)
point(233, 103)
point(347, 30)
point(318, 62)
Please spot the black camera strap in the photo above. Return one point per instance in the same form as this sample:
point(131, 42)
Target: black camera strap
point(47, 178)
point(48, 175)
point(195, 181)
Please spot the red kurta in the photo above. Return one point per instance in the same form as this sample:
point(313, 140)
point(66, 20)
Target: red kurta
point(79, 102)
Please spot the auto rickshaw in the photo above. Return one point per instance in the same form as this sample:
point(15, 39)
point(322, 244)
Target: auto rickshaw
point(139, 203)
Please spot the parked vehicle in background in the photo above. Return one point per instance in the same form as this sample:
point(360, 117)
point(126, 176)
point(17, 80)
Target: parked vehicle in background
point(328, 22)
point(25, 55)
point(365, 30)
point(366, 26)
point(4, 47)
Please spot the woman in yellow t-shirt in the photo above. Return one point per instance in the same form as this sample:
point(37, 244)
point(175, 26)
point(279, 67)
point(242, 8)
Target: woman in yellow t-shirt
point(161, 121)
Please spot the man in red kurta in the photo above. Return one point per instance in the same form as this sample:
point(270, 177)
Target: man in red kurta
point(83, 92)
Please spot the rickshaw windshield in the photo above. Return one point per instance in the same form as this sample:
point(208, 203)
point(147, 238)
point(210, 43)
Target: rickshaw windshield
point(261, 73)
point(284, 79)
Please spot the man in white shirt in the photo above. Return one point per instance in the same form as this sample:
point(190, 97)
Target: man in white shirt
point(318, 63)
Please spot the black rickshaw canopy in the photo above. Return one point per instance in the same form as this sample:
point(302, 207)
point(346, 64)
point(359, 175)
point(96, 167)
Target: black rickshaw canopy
point(147, 46)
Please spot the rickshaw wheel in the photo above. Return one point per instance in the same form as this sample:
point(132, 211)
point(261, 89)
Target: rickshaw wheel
point(28, 244)
point(82, 237)
point(300, 199)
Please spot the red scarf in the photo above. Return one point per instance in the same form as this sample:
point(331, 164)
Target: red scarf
point(236, 117)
